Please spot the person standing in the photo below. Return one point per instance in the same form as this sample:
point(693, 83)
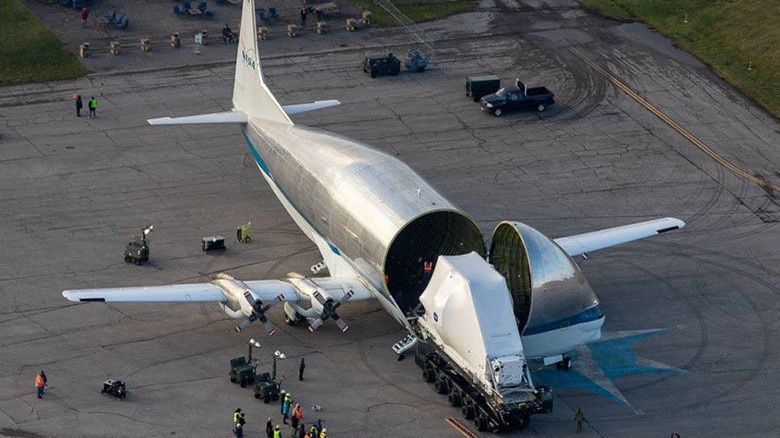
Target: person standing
point(277, 432)
point(313, 432)
point(286, 408)
point(84, 14)
point(40, 382)
point(296, 416)
point(92, 107)
point(303, 17)
point(236, 415)
point(300, 370)
point(579, 416)
point(79, 105)
point(324, 433)
point(269, 429)
point(301, 432)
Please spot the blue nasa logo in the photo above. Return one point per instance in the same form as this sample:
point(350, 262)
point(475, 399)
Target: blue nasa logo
point(248, 60)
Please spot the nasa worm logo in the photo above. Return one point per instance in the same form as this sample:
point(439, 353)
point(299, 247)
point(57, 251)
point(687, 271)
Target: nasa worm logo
point(248, 60)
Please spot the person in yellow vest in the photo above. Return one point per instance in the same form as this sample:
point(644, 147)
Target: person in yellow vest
point(236, 415)
point(277, 432)
point(92, 107)
point(324, 432)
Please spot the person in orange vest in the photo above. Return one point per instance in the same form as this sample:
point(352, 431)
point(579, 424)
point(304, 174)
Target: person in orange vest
point(296, 416)
point(40, 382)
point(427, 270)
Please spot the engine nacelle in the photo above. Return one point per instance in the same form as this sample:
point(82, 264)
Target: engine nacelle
point(547, 287)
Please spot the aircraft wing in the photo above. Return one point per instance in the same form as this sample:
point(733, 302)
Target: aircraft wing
point(239, 117)
point(596, 240)
point(264, 290)
point(170, 293)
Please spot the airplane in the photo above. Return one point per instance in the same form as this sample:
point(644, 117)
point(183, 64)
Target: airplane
point(380, 228)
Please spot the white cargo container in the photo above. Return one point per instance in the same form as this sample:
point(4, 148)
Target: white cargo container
point(468, 317)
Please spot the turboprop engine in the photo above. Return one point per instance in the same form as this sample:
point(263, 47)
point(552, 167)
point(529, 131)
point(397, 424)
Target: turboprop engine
point(241, 301)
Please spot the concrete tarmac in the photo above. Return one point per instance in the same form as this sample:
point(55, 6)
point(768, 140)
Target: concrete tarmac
point(691, 336)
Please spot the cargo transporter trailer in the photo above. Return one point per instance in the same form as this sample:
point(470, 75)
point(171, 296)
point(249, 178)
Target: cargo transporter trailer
point(469, 347)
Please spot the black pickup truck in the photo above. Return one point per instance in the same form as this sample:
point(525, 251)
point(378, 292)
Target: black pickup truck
point(519, 96)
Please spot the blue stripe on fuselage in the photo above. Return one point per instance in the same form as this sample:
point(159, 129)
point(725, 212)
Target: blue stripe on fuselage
point(587, 315)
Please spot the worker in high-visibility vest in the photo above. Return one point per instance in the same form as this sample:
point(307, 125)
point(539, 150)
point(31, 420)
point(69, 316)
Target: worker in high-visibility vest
point(40, 382)
point(277, 432)
point(236, 415)
point(427, 270)
point(323, 433)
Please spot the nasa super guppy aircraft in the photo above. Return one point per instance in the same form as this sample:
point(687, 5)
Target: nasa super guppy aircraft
point(378, 224)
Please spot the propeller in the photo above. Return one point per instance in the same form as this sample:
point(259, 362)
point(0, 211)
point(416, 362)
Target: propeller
point(258, 312)
point(329, 311)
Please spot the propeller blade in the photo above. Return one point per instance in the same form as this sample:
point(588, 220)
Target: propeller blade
point(245, 323)
point(269, 327)
point(318, 296)
point(346, 296)
point(315, 324)
point(342, 325)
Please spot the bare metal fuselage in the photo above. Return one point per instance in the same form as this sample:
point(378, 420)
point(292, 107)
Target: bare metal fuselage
point(355, 197)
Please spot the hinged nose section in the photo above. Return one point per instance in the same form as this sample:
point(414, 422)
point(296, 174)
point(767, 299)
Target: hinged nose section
point(544, 282)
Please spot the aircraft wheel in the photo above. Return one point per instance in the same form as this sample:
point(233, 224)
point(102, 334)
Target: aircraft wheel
point(455, 399)
point(498, 112)
point(429, 375)
point(565, 364)
point(442, 386)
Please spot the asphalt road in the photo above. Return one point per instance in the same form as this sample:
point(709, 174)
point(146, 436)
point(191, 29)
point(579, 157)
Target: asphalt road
point(691, 343)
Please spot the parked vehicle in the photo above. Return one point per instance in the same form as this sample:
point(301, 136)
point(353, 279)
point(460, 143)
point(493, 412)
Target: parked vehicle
point(381, 64)
point(416, 61)
point(478, 86)
point(515, 97)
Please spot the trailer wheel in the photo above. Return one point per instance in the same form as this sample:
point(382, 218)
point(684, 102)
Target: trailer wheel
point(481, 423)
point(233, 379)
point(242, 384)
point(498, 112)
point(455, 399)
point(442, 386)
point(540, 108)
point(429, 375)
point(522, 422)
point(257, 396)
point(468, 411)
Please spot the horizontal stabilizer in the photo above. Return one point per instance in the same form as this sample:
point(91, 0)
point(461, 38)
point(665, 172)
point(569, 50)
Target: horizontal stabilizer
point(311, 106)
point(224, 117)
point(171, 293)
point(596, 240)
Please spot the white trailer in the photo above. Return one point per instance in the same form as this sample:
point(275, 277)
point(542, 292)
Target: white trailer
point(470, 348)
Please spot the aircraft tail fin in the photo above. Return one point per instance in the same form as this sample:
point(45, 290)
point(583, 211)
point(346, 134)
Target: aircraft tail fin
point(250, 93)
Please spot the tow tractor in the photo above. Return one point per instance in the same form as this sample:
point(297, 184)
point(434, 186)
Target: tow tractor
point(468, 346)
